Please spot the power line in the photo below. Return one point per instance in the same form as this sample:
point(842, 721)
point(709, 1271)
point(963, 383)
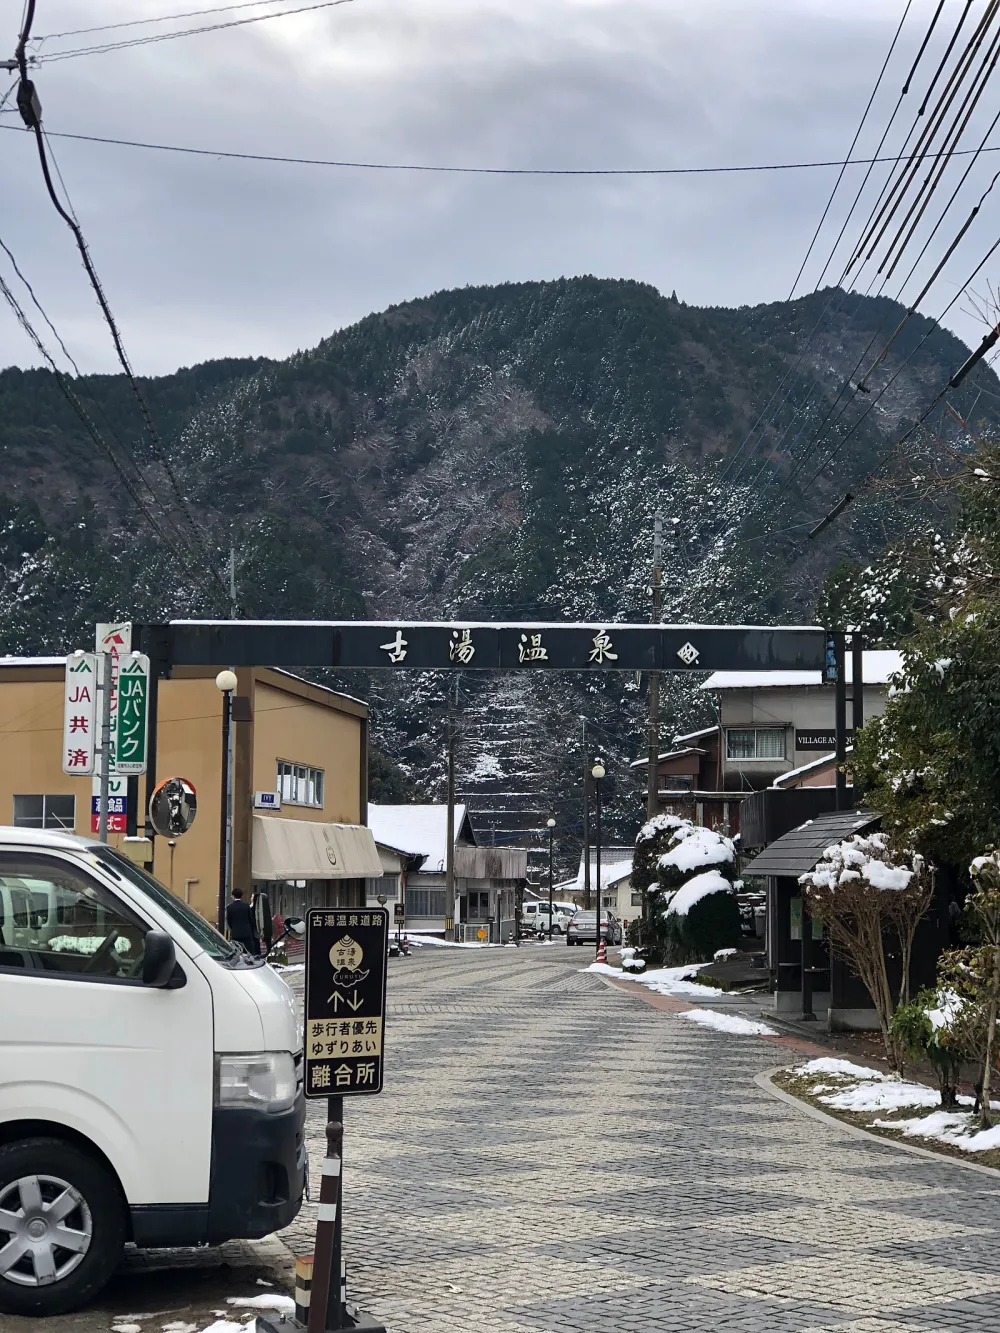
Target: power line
point(30, 109)
point(161, 18)
point(488, 171)
point(183, 32)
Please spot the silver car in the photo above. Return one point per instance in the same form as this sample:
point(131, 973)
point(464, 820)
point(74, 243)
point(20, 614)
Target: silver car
point(582, 928)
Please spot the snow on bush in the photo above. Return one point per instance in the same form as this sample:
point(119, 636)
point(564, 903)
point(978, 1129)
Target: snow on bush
point(696, 848)
point(743, 1027)
point(700, 886)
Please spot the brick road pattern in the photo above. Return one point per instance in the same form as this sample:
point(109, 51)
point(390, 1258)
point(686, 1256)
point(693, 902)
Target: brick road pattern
point(551, 1154)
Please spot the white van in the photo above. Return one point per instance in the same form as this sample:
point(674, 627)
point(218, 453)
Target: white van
point(150, 1075)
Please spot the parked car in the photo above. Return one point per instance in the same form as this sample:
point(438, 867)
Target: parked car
point(583, 928)
point(561, 917)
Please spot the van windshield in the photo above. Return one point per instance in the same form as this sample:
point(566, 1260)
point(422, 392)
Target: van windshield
point(214, 944)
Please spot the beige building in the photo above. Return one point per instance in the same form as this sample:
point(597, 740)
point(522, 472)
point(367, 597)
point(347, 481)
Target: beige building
point(306, 743)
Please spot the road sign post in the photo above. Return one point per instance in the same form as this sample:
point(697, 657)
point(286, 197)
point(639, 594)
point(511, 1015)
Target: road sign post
point(346, 964)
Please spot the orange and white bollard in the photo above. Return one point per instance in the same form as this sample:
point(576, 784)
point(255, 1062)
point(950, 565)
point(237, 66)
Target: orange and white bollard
point(602, 950)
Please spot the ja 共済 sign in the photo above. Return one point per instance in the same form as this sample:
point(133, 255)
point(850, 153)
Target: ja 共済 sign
point(80, 697)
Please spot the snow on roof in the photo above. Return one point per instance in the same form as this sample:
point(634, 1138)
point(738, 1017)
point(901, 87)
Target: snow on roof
point(616, 865)
point(824, 761)
point(697, 735)
point(879, 664)
point(671, 754)
point(32, 661)
point(421, 830)
point(338, 694)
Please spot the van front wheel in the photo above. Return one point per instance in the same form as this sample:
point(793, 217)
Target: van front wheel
point(62, 1226)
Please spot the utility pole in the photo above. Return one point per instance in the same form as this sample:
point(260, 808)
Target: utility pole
point(451, 915)
point(102, 802)
point(587, 824)
point(653, 776)
point(233, 609)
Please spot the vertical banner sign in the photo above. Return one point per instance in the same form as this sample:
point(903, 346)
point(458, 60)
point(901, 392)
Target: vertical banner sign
point(132, 726)
point(80, 714)
point(117, 805)
point(116, 640)
point(346, 952)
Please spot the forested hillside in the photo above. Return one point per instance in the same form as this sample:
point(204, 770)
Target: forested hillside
point(485, 452)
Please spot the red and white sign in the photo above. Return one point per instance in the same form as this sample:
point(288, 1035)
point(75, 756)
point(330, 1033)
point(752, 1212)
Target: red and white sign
point(117, 805)
point(80, 698)
point(115, 640)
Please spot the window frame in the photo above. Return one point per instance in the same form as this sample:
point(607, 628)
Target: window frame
point(51, 861)
point(302, 784)
point(755, 732)
point(46, 822)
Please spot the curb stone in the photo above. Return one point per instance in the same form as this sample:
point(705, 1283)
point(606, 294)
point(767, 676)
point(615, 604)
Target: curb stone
point(764, 1081)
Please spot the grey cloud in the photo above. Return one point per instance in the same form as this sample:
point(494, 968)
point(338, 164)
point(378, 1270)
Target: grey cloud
point(204, 257)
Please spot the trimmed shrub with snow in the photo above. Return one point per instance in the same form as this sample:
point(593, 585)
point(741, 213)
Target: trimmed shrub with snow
point(692, 908)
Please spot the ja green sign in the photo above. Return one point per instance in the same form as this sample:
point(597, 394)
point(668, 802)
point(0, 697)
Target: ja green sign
point(132, 726)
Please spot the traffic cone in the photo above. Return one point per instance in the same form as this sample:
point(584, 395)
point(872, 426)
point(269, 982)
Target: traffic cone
point(602, 951)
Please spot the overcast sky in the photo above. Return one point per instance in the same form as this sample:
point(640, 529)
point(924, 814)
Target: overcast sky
point(204, 257)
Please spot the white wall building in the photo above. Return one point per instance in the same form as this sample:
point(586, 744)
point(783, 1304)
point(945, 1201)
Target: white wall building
point(486, 878)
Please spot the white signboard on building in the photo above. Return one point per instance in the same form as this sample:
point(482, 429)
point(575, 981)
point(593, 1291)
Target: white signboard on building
point(266, 800)
point(80, 698)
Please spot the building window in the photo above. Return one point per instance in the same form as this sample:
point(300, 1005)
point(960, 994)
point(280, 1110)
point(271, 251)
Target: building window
point(636, 897)
point(478, 906)
point(387, 885)
point(58, 812)
point(755, 743)
point(425, 902)
point(298, 784)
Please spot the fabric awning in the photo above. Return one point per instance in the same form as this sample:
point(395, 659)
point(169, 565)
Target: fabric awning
point(798, 851)
point(303, 849)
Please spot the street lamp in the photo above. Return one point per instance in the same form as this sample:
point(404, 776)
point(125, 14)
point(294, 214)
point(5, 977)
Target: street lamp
point(550, 824)
point(597, 772)
point(226, 683)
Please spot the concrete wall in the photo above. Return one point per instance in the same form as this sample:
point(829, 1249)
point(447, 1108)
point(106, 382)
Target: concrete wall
point(805, 708)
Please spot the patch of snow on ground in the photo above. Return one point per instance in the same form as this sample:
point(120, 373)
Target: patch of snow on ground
point(885, 1096)
point(951, 1127)
point(830, 1065)
point(743, 1027)
point(438, 942)
point(271, 1300)
point(662, 980)
point(225, 1326)
point(178, 1326)
point(126, 1328)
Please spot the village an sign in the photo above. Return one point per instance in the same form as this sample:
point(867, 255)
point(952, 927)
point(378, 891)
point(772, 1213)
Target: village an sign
point(477, 646)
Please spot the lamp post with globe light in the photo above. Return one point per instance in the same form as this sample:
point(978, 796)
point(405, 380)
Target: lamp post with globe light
point(550, 824)
point(226, 683)
point(597, 772)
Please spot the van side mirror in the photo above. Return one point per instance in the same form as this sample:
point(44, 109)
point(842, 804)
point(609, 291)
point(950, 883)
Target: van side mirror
point(159, 959)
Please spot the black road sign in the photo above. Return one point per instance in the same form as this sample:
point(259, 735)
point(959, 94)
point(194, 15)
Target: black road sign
point(476, 646)
point(346, 950)
point(398, 912)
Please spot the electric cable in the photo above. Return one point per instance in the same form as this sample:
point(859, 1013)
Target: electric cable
point(161, 18)
point(30, 109)
point(945, 155)
point(88, 425)
point(345, 164)
point(44, 59)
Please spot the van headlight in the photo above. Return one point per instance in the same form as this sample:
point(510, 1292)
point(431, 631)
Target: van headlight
point(262, 1081)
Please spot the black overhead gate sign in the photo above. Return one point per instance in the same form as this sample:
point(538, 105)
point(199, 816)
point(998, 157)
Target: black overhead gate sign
point(346, 952)
point(476, 646)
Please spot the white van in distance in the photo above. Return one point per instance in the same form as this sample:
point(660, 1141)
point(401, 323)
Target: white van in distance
point(150, 1075)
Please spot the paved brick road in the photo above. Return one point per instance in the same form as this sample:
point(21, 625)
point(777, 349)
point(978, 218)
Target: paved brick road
point(552, 1154)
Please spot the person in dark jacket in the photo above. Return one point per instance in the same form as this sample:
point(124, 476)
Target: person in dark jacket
point(239, 919)
point(260, 905)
